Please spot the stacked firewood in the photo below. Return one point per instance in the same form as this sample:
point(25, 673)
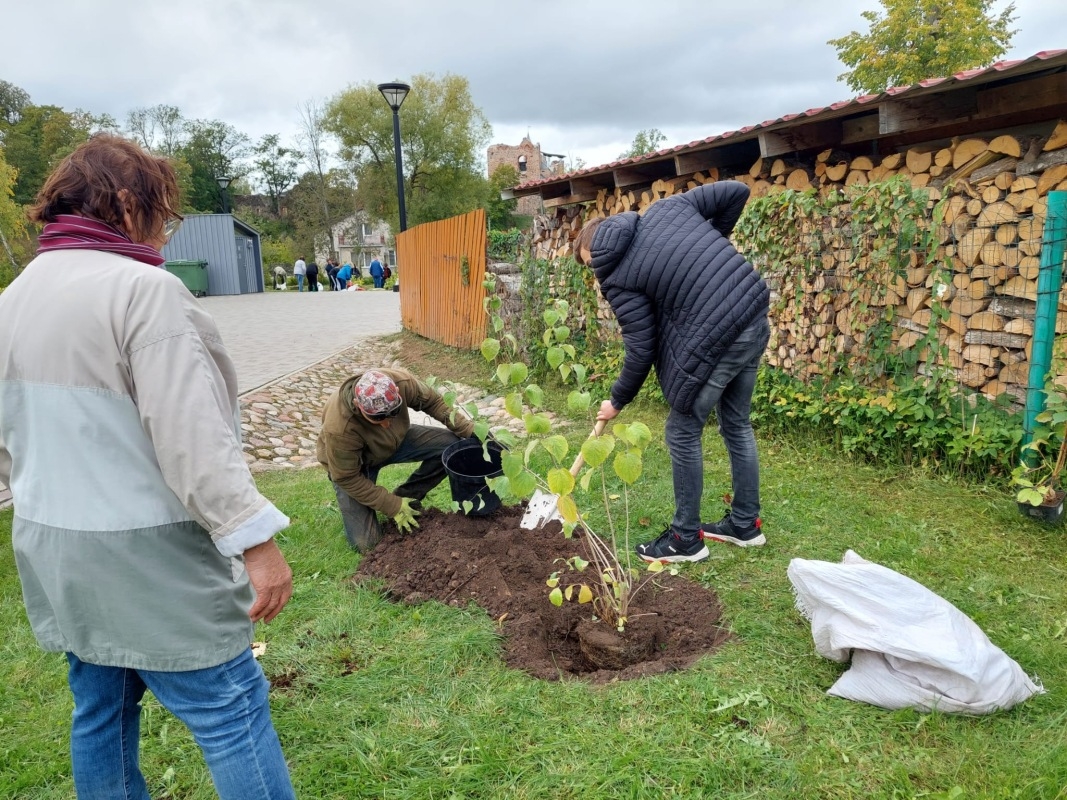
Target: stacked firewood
point(989, 240)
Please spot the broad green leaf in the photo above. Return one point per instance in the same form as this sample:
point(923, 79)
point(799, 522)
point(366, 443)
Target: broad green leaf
point(431, 381)
point(534, 395)
point(500, 485)
point(568, 529)
point(490, 348)
point(519, 373)
point(553, 580)
point(512, 464)
point(530, 447)
point(586, 477)
point(481, 428)
point(596, 451)
point(537, 423)
point(628, 466)
point(556, 446)
point(555, 597)
point(560, 481)
point(563, 333)
point(585, 594)
point(546, 337)
point(551, 317)
point(555, 357)
point(578, 563)
point(468, 506)
point(450, 398)
point(569, 350)
point(505, 437)
point(655, 566)
point(495, 303)
point(578, 401)
point(565, 371)
point(503, 373)
point(636, 434)
point(513, 405)
point(567, 508)
point(498, 324)
point(580, 373)
point(472, 409)
point(569, 592)
point(513, 343)
point(523, 485)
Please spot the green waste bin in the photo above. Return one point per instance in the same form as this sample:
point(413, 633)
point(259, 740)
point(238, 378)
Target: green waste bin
point(192, 273)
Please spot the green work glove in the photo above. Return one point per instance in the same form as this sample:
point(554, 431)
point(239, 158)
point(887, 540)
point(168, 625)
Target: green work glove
point(405, 518)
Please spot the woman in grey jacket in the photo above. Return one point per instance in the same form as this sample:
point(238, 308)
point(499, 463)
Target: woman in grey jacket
point(689, 304)
point(145, 551)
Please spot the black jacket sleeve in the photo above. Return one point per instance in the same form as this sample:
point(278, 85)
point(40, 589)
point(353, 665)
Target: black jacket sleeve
point(637, 319)
point(721, 203)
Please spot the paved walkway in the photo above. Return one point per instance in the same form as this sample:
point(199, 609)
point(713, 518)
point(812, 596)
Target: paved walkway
point(274, 333)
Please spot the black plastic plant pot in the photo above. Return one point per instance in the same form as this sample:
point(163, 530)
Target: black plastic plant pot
point(467, 471)
point(1050, 512)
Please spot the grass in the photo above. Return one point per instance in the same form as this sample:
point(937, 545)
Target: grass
point(379, 700)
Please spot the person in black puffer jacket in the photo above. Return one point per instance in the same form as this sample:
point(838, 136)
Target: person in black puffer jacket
point(691, 305)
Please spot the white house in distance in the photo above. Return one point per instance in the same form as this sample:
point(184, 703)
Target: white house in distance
point(360, 241)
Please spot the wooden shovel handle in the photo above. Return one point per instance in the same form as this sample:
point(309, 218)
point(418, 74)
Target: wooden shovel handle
point(580, 460)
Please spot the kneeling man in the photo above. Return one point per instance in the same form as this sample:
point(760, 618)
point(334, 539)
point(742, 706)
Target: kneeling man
point(366, 426)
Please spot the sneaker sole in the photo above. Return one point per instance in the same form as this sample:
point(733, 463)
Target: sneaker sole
point(700, 555)
point(755, 541)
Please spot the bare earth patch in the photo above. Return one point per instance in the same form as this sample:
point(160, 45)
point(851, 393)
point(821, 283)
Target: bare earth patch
point(502, 568)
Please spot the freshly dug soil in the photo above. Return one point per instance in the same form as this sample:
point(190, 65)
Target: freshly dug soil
point(496, 564)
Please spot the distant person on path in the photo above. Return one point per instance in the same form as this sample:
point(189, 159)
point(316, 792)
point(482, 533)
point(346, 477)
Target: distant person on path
point(366, 426)
point(343, 275)
point(300, 270)
point(145, 550)
point(377, 271)
point(690, 304)
point(280, 278)
point(312, 271)
point(331, 273)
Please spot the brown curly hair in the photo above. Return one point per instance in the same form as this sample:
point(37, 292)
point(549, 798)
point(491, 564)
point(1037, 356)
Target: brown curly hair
point(107, 177)
point(584, 239)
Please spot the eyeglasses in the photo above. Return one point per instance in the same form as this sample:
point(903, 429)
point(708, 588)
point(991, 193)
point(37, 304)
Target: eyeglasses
point(170, 227)
point(385, 416)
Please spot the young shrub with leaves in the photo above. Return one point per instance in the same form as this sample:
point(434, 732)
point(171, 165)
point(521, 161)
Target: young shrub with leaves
point(613, 582)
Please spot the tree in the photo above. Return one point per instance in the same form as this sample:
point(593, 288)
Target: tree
point(646, 141)
point(276, 167)
point(320, 215)
point(12, 227)
point(12, 101)
point(305, 201)
point(212, 150)
point(500, 213)
point(918, 39)
point(444, 135)
point(161, 128)
point(39, 139)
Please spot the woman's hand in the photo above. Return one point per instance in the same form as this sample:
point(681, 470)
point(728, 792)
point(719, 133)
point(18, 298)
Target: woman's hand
point(271, 578)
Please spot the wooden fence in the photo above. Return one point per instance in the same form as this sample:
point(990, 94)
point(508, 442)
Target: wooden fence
point(441, 269)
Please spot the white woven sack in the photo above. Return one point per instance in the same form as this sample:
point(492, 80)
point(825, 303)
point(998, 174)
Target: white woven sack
point(910, 648)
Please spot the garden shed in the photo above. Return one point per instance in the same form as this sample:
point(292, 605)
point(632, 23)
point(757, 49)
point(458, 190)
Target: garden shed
point(230, 247)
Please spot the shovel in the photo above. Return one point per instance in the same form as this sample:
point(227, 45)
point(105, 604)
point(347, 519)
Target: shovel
point(542, 506)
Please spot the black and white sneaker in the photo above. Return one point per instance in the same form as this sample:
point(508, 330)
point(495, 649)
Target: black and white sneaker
point(725, 531)
point(670, 549)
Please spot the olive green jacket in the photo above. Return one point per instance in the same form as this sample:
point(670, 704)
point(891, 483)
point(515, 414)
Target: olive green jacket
point(349, 444)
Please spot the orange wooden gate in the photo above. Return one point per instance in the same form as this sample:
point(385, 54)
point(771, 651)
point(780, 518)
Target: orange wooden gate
point(441, 268)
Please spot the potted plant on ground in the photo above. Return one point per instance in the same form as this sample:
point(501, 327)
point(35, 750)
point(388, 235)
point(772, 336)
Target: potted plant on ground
point(1038, 476)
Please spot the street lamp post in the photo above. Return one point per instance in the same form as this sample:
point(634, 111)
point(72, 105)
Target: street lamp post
point(223, 185)
point(394, 94)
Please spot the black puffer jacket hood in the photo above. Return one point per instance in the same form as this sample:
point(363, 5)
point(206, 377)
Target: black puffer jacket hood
point(681, 292)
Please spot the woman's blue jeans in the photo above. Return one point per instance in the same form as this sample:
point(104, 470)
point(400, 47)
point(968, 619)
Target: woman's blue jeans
point(300, 283)
point(225, 707)
point(729, 392)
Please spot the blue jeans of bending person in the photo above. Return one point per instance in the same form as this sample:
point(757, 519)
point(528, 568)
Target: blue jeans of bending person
point(729, 392)
point(225, 707)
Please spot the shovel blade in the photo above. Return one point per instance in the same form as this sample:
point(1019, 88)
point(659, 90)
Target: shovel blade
point(540, 509)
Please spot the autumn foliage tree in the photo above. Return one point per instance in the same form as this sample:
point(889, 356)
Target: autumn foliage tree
point(443, 136)
point(917, 39)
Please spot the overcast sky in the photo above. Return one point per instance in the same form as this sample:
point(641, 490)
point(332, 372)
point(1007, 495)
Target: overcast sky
point(582, 77)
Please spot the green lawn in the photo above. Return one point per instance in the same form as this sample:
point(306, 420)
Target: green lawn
point(398, 702)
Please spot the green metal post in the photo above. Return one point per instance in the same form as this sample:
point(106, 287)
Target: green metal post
point(1049, 280)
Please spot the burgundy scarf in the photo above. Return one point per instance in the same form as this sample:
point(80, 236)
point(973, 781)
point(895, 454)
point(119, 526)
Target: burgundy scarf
point(71, 232)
